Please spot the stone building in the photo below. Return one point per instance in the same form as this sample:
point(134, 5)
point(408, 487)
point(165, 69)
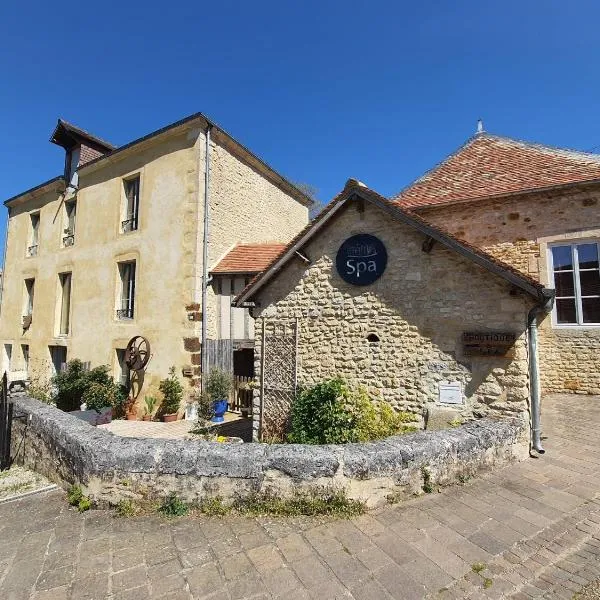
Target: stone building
point(536, 208)
point(377, 295)
point(115, 247)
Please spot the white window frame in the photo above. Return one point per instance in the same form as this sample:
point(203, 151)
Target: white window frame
point(131, 214)
point(29, 297)
point(34, 235)
point(68, 238)
point(127, 290)
point(572, 244)
point(64, 308)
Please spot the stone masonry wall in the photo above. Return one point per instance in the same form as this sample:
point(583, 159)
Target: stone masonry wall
point(518, 231)
point(112, 468)
point(246, 207)
point(419, 309)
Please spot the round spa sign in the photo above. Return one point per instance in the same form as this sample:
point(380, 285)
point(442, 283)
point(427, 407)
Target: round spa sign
point(361, 259)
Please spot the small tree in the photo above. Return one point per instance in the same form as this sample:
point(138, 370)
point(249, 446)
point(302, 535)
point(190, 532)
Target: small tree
point(218, 384)
point(172, 391)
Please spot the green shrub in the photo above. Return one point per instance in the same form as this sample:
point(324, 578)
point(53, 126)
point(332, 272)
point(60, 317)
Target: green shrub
point(84, 504)
point(214, 507)
point(76, 498)
point(74, 495)
point(173, 506)
point(331, 413)
point(126, 508)
point(316, 502)
point(99, 395)
point(95, 387)
point(218, 384)
point(172, 391)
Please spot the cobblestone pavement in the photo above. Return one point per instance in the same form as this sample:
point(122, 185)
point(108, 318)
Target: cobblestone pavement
point(530, 530)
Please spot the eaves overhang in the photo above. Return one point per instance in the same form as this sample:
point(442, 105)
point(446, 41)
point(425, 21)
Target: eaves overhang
point(57, 183)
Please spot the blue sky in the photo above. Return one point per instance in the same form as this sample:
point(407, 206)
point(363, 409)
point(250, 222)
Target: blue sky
point(322, 90)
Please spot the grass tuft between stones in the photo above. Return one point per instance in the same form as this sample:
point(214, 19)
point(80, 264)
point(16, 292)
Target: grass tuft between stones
point(477, 567)
point(324, 502)
point(76, 498)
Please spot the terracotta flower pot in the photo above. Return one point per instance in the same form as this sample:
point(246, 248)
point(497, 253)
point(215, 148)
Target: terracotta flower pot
point(170, 418)
point(147, 418)
point(132, 416)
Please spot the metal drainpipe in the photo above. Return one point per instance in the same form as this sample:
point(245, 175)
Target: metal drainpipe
point(534, 375)
point(205, 250)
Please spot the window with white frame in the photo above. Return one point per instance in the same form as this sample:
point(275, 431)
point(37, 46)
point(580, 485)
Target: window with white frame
point(132, 204)
point(576, 277)
point(69, 230)
point(25, 352)
point(127, 297)
point(123, 369)
point(65, 303)
point(29, 291)
point(32, 249)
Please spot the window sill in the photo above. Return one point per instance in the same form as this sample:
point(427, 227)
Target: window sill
point(575, 326)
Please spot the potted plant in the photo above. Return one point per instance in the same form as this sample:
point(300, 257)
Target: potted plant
point(172, 392)
point(150, 402)
point(99, 397)
point(218, 386)
point(130, 412)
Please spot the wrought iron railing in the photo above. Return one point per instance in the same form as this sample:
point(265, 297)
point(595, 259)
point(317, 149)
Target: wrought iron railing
point(129, 225)
point(125, 313)
point(32, 250)
point(69, 240)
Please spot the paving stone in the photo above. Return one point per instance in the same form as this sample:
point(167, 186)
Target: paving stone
point(128, 579)
point(266, 558)
point(205, 579)
point(55, 578)
point(92, 587)
point(195, 556)
point(57, 593)
point(399, 585)
point(281, 580)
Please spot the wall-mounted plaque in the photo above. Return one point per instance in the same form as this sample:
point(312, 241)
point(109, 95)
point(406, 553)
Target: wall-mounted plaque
point(361, 259)
point(451, 393)
point(487, 343)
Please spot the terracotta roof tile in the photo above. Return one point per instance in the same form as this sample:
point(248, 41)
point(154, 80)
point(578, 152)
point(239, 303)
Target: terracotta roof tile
point(489, 165)
point(397, 211)
point(249, 258)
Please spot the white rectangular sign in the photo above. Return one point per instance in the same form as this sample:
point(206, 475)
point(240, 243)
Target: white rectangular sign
point(451, 393)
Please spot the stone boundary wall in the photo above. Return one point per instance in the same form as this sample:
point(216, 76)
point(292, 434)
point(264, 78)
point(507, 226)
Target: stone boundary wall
point(68, 450)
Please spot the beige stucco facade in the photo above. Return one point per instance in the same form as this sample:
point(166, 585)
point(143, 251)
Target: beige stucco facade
point(248, 202)
point(519, 230)
point(418, 309)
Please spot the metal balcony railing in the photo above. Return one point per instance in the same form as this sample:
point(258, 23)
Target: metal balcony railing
point(125, 313)
point(32, 250)
point(129, 225)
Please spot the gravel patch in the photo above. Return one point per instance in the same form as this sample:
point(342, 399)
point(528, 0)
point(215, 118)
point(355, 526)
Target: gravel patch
point(18, 481)
point(590, 592)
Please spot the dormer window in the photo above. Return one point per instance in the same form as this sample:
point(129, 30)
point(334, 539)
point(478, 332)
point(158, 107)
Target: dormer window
point(132, 204)
point(32, 248)
point(69, 230)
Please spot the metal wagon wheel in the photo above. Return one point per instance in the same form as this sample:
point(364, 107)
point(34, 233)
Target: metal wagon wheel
point(137, 353)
